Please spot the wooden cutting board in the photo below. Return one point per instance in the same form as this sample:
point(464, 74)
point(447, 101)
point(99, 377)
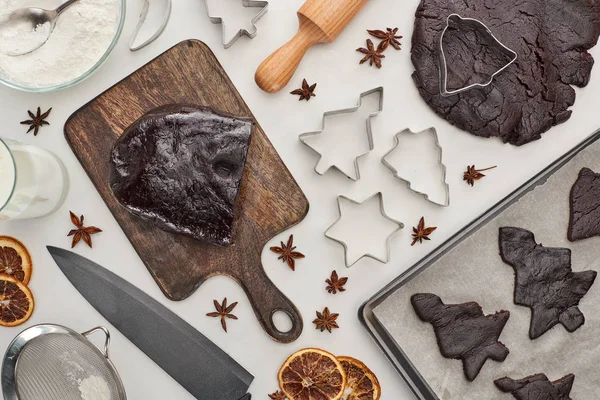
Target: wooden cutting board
point(270, 200)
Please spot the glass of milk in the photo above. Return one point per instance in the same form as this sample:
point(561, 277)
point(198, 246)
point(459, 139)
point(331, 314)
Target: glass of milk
point(33, 181)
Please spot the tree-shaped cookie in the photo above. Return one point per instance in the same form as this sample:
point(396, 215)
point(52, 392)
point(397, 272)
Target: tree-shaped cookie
point(537, 387)
point(584, 221)
point(463, 332)
point(544, 281)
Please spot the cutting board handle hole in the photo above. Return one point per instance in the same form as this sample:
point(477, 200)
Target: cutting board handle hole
point(282, 321)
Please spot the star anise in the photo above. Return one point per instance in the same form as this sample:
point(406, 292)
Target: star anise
point(278, 395)
point(335, 284)
point(287, 253)
point(373, 55)
point(224, 312)
point(421, 233)
point(82, 232)
point(326, 320)
point(37, 120)
point(472, 174)
point(388, 37)
point(306, 92)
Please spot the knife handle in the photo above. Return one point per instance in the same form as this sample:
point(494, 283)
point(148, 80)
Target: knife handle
point(266, 300)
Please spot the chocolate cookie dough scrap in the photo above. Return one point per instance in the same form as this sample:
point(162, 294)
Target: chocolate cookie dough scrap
point(463, 332)
point(544, 281)
point(180, 167)
point(537, 387)
point(584, 220)
point(551, 40)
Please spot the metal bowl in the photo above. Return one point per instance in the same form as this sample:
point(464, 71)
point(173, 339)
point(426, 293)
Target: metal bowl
point(6, 79)
point(36, 360)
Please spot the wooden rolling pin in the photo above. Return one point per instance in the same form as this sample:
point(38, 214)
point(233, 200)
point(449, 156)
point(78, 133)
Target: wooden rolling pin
point(321, 21)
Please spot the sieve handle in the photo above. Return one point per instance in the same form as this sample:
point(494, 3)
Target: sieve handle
point(106, 341)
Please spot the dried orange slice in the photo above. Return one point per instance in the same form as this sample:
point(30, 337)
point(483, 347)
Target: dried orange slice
point(360, 379)
point(312, 374)
point(15, 259)
point(16, 301)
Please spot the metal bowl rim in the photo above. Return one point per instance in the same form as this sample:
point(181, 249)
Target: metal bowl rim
point(43, 89)
point(11, 357)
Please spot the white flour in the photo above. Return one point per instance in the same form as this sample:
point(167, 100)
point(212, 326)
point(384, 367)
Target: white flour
point(82, 35)
point(94, 388)
point(16, 41)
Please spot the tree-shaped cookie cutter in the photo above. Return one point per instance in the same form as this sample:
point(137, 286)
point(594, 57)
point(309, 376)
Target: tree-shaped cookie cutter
point(304, 136)
point(475, 24)
point(436, 140)
point(383, 213)
point(264, 5)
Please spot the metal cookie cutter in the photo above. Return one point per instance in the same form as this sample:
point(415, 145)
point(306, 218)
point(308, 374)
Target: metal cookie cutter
point(246, 3)
point(305, 136)
point(161, 28)
point(476, 24)
point(387, 242)
point(433, 132)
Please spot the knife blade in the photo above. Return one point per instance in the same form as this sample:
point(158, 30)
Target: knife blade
point(196, 363)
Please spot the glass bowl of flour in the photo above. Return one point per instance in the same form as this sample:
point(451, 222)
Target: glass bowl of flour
point(82, 40)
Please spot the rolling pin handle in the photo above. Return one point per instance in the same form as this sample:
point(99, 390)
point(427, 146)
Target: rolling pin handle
point(276, 71)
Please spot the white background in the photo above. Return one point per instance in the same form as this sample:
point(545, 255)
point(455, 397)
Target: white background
point(340, 81)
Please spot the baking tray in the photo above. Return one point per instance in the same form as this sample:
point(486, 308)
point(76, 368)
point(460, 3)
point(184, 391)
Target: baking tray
point(385, 340)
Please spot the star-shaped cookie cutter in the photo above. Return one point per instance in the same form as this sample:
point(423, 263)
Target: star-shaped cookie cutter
point(476, 24)
point(304, 136)
point(251, 34)
point(436, 140)
point(383, 213)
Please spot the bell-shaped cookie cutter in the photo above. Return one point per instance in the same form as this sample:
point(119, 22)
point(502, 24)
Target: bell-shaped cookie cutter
point(304, 136)
point(251, 34)
point(476, 24)
point(436, 140)
point(383, 213)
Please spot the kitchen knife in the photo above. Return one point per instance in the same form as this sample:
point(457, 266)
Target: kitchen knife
point(201, 367)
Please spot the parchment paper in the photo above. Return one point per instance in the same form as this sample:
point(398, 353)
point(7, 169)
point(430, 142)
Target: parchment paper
point(474, 271)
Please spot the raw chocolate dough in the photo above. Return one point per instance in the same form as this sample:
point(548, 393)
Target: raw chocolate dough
point(463, 332)
point(551, 39)
point(537, 387)
point(180, 167)
point(584, 221)
point(544, 281)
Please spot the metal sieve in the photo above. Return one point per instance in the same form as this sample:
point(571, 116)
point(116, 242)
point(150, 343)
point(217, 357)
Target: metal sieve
point(52, 362)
